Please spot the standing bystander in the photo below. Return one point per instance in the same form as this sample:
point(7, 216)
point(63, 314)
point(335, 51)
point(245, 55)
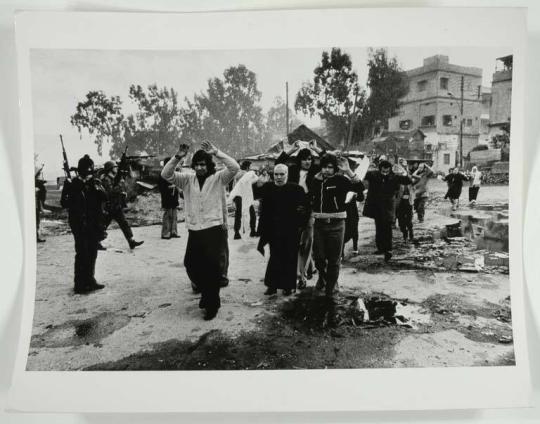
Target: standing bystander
point(169, 204)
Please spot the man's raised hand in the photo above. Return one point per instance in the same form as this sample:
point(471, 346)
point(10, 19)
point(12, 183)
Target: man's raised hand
point(209, 147)
point(182, 150)
point(343, 164)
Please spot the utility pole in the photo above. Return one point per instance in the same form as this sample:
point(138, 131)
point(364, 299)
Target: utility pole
point(287, 106)
point(461, 125)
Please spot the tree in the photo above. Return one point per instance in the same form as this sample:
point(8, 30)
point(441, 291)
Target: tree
point(157, 123)
point(276, 122)
point(331, 94)
point(387, 85)
point(155, 126)
point(228, 113)
point(101, 117)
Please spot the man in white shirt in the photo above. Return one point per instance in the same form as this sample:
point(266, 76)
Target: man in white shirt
point(204, 202)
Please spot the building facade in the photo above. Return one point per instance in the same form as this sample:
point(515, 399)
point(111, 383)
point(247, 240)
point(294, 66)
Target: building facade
point(501, 96)
point(440, 96)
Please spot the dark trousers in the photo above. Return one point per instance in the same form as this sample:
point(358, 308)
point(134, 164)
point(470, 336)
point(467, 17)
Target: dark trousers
point(327, 246)
point(224, 261)
point(238, 215)
point(38, 221)
point(120, 218)
point(86, 248)
point(204, 262)
point(169, 225)
point(473, 193)
point(383, 234)
point(283, 261)
point(404, 214)
point(420, 207)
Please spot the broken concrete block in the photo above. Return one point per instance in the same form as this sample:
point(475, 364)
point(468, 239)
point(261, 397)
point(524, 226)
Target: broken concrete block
point(453, 230)
point(496, 259)
point(362, 313)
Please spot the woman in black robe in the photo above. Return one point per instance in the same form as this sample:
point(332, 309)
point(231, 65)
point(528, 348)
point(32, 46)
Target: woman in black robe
point(455, 181)
point(283, 212)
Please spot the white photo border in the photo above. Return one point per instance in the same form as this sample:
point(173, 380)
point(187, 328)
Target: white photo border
point(274, 391)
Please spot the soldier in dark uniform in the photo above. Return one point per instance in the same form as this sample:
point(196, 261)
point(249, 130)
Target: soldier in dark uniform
point(84, 197)
point(116, 202)
point(41, 195)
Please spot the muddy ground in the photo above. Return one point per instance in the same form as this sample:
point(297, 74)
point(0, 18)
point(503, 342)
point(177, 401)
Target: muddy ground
point(431, 306)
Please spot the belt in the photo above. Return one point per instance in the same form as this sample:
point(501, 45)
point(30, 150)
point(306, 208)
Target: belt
point(328, 220)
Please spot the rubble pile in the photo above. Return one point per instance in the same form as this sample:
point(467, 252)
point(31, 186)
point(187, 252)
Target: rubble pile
point(308, 310)
point(496, 179)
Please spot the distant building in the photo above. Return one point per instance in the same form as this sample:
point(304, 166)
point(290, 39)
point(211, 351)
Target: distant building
point(501, 96)
point(484, 116)
point(433, 105)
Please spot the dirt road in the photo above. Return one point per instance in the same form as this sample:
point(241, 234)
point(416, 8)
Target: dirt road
point(148, 318)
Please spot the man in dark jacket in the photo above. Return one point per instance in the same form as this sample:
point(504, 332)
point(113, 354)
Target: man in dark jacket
point(301, 172)
point(84, 197)
point(383, 185)
point(169, 203)
point(328, 193)
point(116, 201)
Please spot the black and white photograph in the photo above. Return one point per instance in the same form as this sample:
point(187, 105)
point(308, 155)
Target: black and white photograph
point(272, 209)
point(224, 223)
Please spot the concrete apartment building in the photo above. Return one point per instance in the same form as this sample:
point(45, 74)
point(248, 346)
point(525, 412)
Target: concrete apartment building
point(433, 105)
point(501, 96)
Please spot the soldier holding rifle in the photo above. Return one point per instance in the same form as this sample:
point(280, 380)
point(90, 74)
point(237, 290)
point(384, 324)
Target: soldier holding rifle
point(114, 184)
point(84, 197)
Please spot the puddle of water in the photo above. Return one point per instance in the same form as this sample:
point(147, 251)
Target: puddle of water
point(79, 332)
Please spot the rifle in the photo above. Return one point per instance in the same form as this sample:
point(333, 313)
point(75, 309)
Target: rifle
point(65, 165)
point(123, 166)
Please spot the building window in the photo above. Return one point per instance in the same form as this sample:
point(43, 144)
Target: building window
point(468, 122)
point(446, 158)
point(479, 91)
point(444, 83)
point(447, 120)
point(428, 121)
point(405, 125)
point(428, 147)
point(422, 85)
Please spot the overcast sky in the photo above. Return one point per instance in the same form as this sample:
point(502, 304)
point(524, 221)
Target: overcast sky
point(61, 78)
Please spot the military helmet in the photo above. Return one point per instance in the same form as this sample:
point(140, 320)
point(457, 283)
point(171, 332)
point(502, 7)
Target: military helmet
point(109, 166)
